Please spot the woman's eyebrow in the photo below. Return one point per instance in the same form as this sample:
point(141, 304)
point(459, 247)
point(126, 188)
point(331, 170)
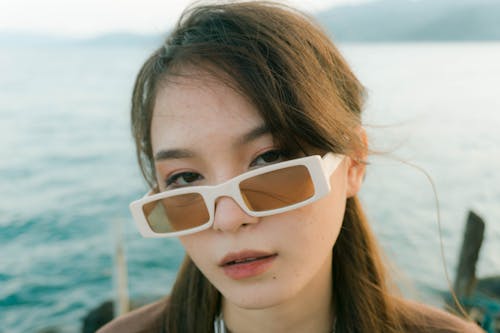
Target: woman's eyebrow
point(253, 134)
point(173, 154)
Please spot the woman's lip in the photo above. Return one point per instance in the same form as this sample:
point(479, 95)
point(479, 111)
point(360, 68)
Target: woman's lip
point(242, 256)
point(238, 270)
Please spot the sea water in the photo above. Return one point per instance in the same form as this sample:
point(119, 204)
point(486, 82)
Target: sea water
point(68, 171)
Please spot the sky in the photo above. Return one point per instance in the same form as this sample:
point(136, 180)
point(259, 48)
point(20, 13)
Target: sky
point(88, 18)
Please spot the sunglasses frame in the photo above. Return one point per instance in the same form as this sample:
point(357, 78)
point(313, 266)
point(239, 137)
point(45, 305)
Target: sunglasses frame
point(320, 170)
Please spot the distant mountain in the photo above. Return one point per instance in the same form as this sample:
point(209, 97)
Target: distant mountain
point(112, 39)
point(124, 39)
point(375, 21)
point(15, 38)
point(417, 20)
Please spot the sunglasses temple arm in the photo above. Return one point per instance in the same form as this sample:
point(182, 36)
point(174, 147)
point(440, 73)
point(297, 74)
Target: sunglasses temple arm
point(331, 161)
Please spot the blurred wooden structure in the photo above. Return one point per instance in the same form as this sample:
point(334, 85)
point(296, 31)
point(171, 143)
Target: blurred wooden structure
point(479, 296)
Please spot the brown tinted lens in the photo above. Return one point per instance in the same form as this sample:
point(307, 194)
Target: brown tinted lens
point(176, 213)
point(277, 189)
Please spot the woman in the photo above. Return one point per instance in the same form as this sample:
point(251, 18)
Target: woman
point(247, 123)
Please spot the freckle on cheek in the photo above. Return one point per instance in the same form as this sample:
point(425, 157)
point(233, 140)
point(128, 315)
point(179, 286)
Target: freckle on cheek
point(274, 277)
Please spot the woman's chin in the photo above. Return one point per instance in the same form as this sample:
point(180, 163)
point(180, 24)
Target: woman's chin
point(255, 299)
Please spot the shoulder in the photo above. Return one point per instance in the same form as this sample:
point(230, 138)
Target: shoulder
point(148, 318)
point(419, 318)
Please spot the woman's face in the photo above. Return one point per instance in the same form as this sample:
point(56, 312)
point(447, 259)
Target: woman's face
point(216, 134)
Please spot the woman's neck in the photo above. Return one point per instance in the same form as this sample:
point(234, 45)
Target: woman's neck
point(309, 310)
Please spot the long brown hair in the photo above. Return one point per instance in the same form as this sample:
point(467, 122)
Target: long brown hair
point(308, 96)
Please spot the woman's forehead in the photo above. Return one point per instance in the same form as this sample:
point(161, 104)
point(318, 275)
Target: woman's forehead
point(187, 86)
point(189, 109)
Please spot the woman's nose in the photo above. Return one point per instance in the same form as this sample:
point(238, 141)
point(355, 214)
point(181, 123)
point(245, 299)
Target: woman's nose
point(229, 216)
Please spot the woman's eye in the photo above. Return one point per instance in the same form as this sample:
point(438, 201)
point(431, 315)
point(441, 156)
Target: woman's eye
point(182, 179)
point(269, 157)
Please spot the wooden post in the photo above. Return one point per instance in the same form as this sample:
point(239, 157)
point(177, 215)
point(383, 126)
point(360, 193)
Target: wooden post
point(465, 279)
point(121, 302)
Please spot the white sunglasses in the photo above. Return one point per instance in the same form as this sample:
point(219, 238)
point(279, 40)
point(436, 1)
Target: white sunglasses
point(268, 190)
